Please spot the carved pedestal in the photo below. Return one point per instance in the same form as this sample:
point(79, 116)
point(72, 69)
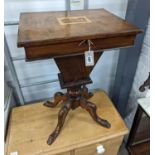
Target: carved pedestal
point(74, 76)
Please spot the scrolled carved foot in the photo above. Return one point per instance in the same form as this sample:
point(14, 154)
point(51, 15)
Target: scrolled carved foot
point(52, 138)
point(50, 104)
point(58, 97)
point(104, 123)
point(61, 119)
point(91, 108)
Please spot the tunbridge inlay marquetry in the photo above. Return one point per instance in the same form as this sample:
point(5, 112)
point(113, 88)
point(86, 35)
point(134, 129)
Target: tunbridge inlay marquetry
point(73, 20)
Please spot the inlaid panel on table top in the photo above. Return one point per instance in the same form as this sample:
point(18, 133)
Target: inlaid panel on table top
point(44, 28)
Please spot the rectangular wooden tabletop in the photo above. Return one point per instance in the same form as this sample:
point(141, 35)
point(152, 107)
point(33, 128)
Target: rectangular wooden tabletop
point(43, 28)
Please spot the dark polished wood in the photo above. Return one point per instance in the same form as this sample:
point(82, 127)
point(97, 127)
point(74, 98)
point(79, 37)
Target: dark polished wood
point(73, 68)
point(61, 119)
point(43, 28)
point(71, 100)
point(55, 50)
point(139, 138)
point(44, 36)
point(91, 108)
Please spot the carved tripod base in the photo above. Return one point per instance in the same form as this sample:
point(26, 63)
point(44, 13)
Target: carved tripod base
point(74, 97)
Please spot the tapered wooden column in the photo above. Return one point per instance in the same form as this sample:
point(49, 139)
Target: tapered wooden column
point(74, 76)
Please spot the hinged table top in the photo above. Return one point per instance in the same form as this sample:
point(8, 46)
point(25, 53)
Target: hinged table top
point(43, 28)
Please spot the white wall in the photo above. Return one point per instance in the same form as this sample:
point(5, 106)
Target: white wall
point(30, 73)
point(141, 75)
point(13, 8)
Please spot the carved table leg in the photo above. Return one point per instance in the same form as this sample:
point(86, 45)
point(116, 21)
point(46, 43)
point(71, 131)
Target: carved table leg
point(85, 92)
point(61, 119)
point(57, 98)
point(75, 97)
point(91, 108)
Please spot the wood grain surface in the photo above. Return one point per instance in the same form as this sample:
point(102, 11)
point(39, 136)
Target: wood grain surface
point(111, 147)
point(43, 28)
point(30, 126)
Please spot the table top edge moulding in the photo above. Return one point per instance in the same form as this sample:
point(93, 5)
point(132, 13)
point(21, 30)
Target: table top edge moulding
point(70, 34)
point(43, 28)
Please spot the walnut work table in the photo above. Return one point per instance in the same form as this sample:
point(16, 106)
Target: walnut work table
point(64, 37)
